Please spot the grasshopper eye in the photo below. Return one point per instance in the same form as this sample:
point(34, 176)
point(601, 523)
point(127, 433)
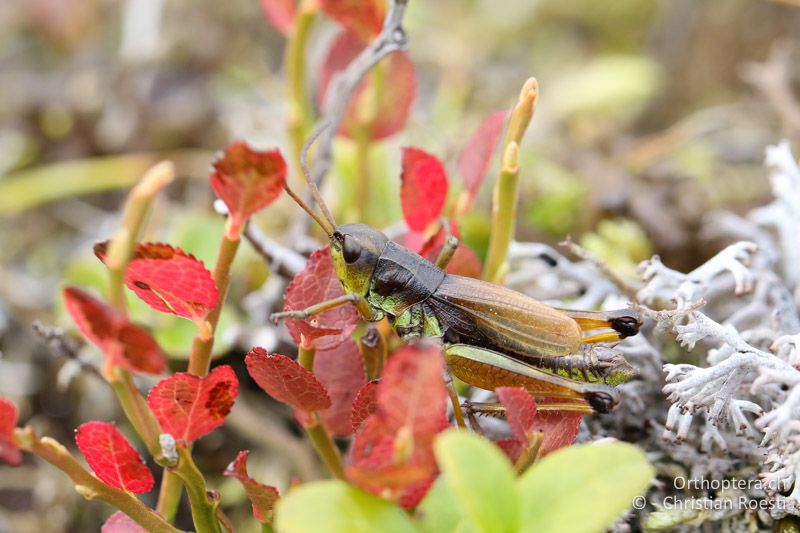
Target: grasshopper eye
point(351, 251)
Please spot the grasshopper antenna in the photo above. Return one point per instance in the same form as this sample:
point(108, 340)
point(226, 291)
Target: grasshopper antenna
point(331, 225)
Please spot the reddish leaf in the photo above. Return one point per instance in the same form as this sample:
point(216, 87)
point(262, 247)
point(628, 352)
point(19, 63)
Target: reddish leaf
point(474, 159)
point(412, 393)
point(364, 18)
point(247, 180)
point(381, 115)
point(520, 410)
point(341, 371)
point(413, 494)
point(9, 451)
point(286, 381)
point(560, 429)
point(188, 406)
point(262, 497)
point(424, 188)
point(364, 404)
point(382, 459)
point(317, 283)
point(119, 522)
point(513, 448)
point(112, 458)
point(169, 280)
point(280, 14)
point(124, 344)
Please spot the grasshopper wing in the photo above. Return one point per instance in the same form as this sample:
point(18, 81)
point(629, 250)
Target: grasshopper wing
point(499, 318)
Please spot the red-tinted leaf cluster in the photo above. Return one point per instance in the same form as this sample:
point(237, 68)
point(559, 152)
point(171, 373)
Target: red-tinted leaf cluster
point(381, 104)
point(341, 371)
point(124, 344)
point(169, 280)
point(280, 14)
point(262, 497)
point(287, 381)
point(477, 153)
point(362, 17)
point(188, 406)
point(119, 522)
point(559, 428)
point(316, 283)
point(364, 404)
point(112, 458)
point(424, 188)
point(423, 193)
point(247, 180)
point(392, 450)
point(9, 451)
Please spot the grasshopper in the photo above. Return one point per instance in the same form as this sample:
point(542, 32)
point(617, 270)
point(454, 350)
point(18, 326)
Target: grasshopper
point(493, 336)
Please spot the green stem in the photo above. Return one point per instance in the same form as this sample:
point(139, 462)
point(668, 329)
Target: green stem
point(136, 409)
point(504, 201)
point(504, 214)
point(169, 496)
point(319, 436)
point(301, 114)
point(88, 485)
point(203, 342)
point(325, 447)
point(204, 509)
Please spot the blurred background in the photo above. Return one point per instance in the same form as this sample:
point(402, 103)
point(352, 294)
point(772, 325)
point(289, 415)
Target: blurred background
point(651, 113)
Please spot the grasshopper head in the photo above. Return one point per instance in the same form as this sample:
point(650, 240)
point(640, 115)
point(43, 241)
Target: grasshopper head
point(355, 249)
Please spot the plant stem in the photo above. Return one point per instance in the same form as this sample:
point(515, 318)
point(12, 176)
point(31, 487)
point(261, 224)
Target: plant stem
point(169, 495)
point(504, 214)
point(88, 485)
point(203, 343)
point(120, 249)
point(301, 114)
point(136, 409)
point(319, 436)
point(325, 447)
point(204, 510)
point(504, 202)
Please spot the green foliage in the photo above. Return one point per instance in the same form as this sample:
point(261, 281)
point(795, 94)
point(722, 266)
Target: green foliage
point(621, 243)
point(478, 491)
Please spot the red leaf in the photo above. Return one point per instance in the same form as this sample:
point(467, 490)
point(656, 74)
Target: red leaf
point(124, 344)
point(188, 406)
point(364, 404)
point(262, 497)
point(317, 283)
point(382, 459)
point(513, 448)
point(520, 411)
point(474, 159)
point(341, 371)
point(112, 458)
point(247, 180)
point(364, 18)
point(414, 494)
point(287, 381)
point(119, 522)
point(169, 280)
point(412, 393)
point(560, 429)
point(424, 188)
point(381, 115)
point(280, 13)
point(392, 453)
point(9, 451)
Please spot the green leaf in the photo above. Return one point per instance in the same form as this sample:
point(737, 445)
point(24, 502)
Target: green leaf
point(582, 488)
point(336, 507)
point(481, 479)
point(438, 512)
